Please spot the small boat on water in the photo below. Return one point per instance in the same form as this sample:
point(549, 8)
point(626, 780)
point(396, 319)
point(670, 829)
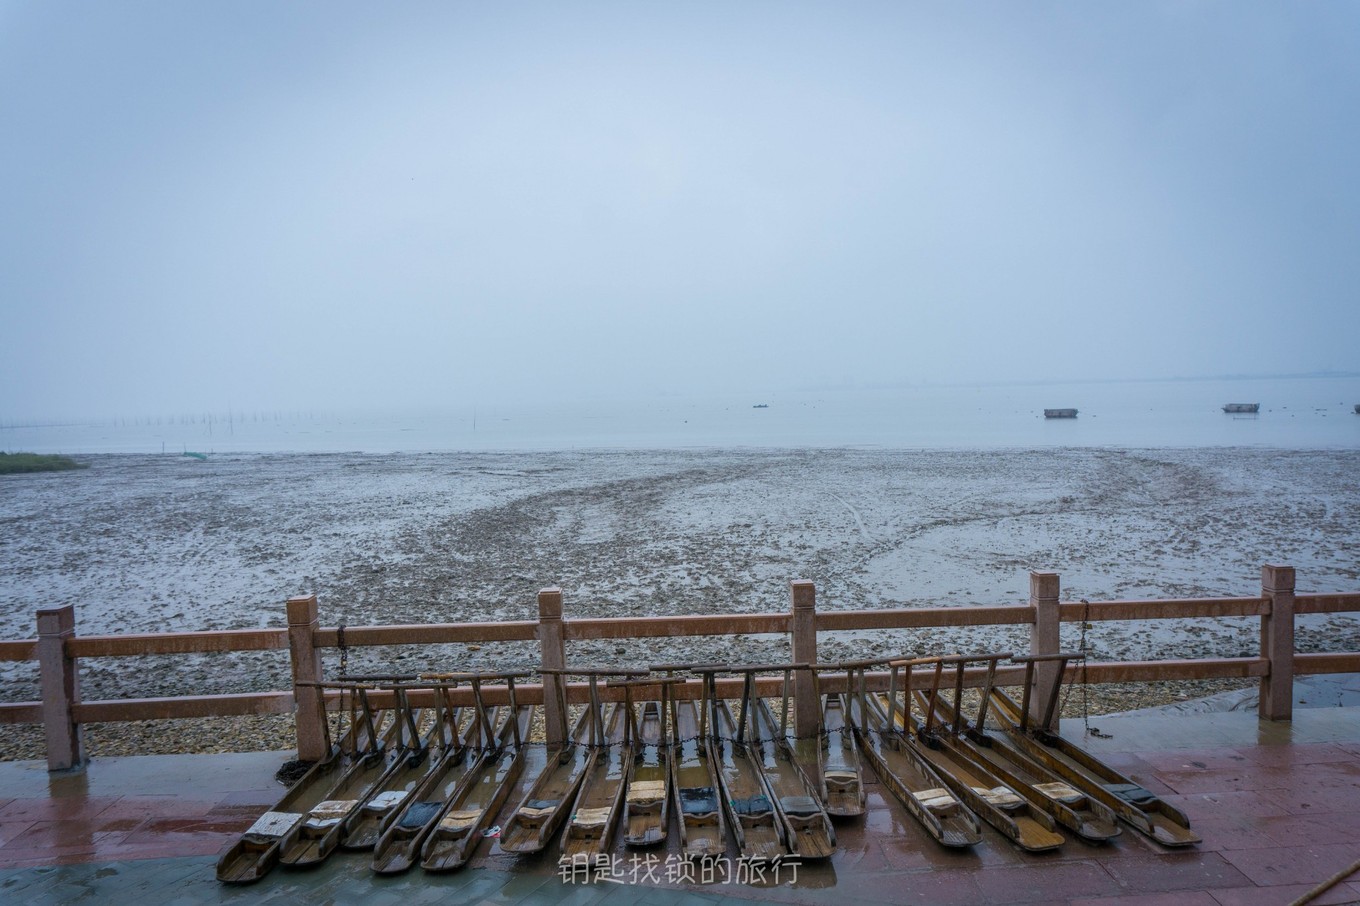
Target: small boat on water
point(1242, 408)
point(1357, 408)
point(1060, 413)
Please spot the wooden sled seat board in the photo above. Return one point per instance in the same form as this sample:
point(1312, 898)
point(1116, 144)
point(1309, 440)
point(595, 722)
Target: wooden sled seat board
point(1000, 797)
point(646, 792)
point(939, 800)
point(332, 811)
point(460, 820)
point(592, 817)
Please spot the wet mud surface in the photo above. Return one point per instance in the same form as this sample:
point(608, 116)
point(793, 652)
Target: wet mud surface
point(163, 543)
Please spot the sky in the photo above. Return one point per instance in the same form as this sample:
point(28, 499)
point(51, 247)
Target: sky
point(264, 205)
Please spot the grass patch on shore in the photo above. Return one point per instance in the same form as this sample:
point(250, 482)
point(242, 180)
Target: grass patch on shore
point(11, 463)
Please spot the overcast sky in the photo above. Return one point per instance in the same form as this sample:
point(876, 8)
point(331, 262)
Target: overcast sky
point(265, 205)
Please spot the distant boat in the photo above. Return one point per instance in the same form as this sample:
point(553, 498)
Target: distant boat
point(767, 405)
point(1252, 408)
point(1357, 408)
point(1060, 413)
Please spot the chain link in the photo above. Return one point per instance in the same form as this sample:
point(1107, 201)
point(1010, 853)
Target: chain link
point(1067, 692)
point(344, 649)
point(823, 736)
point(1085, 692)
point(605, 746)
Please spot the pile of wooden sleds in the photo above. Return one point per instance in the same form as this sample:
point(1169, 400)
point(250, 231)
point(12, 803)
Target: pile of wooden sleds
point(424, 786)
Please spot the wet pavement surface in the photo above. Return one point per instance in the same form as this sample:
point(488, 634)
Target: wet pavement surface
point(1277, 805)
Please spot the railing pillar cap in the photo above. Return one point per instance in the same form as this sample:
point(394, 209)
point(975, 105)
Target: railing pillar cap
point(56, 620)
point(1043, 584)
point(302, 610)
point(1277, 578)
point(550, 603)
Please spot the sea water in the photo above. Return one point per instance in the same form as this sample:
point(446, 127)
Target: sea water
point(1297, 413)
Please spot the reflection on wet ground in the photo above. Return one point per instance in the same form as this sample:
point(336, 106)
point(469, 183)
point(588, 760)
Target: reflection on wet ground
point(1275, 804)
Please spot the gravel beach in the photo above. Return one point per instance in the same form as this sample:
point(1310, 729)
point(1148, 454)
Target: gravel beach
point(166, 543)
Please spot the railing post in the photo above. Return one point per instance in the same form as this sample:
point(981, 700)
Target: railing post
point(309, 708)
point(1045, 638)
point(1276, 700)
point(60, 683)
point(552, 656)
point(807, 711)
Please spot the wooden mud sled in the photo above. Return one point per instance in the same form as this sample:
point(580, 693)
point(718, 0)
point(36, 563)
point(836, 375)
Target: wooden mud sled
point(808, 833)
point(315, 837)
point(836, 768)
point(649, 791)
point(694, 779)
point(424, 818)
point(595, 813)
point(257, 850)
point(1069, 807)
point(1020, 820)
point(758, 832)
point(548, 802)
point(901, 768)
point(1136, 806)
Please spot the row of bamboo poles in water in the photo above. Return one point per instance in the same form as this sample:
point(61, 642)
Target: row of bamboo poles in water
point(424, 786)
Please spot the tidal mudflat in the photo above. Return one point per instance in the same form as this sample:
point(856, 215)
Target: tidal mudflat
point(166, 543)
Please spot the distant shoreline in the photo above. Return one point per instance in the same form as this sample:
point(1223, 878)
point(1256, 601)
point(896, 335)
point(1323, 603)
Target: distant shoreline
point(1297, 413)
point(24, 463)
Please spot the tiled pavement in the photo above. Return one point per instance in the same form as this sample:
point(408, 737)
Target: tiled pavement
point(1278, 806)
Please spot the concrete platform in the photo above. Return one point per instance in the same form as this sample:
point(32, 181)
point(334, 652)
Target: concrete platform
point(1278, 806)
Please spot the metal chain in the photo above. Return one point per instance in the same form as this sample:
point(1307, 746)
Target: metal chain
point(606, 746)
point(1085, 700)
point(822, 735)
point(1067, 693)
point(344, 649)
